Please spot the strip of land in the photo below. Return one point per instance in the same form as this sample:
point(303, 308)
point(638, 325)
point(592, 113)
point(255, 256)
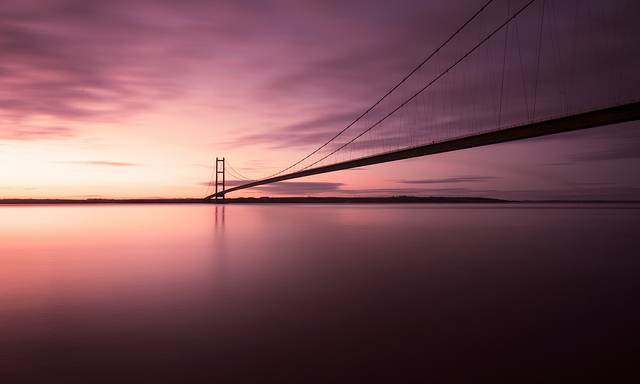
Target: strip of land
point(298, 200)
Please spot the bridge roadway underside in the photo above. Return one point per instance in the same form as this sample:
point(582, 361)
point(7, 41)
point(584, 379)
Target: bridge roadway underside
point(589, 119)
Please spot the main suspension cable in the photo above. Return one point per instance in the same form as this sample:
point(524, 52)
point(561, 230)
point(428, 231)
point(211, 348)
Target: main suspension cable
point(237, 174)
point(388, 93)
point(422, 89)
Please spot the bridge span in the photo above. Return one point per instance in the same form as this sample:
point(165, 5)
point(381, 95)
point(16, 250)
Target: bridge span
point(589, 119)
point(502, 76)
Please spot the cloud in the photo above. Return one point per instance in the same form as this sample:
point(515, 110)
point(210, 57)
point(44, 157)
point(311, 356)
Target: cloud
point(102, 163)
point(626, 150)
point(311, 132)
point(462, 179)
point(467, 192)
point(61, 61)
point(103, 61)
point(27, 133)
point(610, 142)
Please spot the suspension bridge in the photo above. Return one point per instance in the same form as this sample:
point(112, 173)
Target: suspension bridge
point(516, 69)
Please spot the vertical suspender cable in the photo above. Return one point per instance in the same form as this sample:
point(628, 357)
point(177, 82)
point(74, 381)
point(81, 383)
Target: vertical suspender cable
point(535, 86)
point(504, 64)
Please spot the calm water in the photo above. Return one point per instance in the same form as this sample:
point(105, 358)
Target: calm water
point(319, 293)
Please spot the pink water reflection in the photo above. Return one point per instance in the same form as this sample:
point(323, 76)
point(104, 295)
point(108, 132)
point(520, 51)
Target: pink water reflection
point(315, 293)
point(97, 262)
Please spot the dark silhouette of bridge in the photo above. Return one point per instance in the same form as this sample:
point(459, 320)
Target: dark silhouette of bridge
point(496, 79)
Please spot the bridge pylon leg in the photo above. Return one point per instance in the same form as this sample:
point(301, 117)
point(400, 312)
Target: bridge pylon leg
point(220, 175)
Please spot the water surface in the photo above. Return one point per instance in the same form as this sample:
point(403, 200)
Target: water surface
point(319, 293)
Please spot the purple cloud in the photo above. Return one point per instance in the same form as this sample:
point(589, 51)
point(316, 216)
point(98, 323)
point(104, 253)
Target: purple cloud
point(308, 133)
point(104, 61)
point(88, 61)
point(629, 150)
point(462, 179)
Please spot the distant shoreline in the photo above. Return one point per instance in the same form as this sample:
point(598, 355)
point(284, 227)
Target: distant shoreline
point(306, 200)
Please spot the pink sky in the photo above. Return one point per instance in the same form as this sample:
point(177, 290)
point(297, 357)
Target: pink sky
point(128, 99)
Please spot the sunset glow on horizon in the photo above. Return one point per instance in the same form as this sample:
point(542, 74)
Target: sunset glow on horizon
point(127, 99)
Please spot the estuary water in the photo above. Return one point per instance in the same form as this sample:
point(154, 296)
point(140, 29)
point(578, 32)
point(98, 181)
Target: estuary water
point(306, 293)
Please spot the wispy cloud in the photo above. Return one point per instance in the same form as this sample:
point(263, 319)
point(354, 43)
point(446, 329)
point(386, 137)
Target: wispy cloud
point(416, 191)
point(626, 150)
point(104, 61)
point(314, 132)
point(89, 61)
point(27, 133)
point(103, 163)
point(449, 180)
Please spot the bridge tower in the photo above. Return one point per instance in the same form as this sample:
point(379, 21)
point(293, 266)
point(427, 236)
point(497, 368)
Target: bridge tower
point(219, 176)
